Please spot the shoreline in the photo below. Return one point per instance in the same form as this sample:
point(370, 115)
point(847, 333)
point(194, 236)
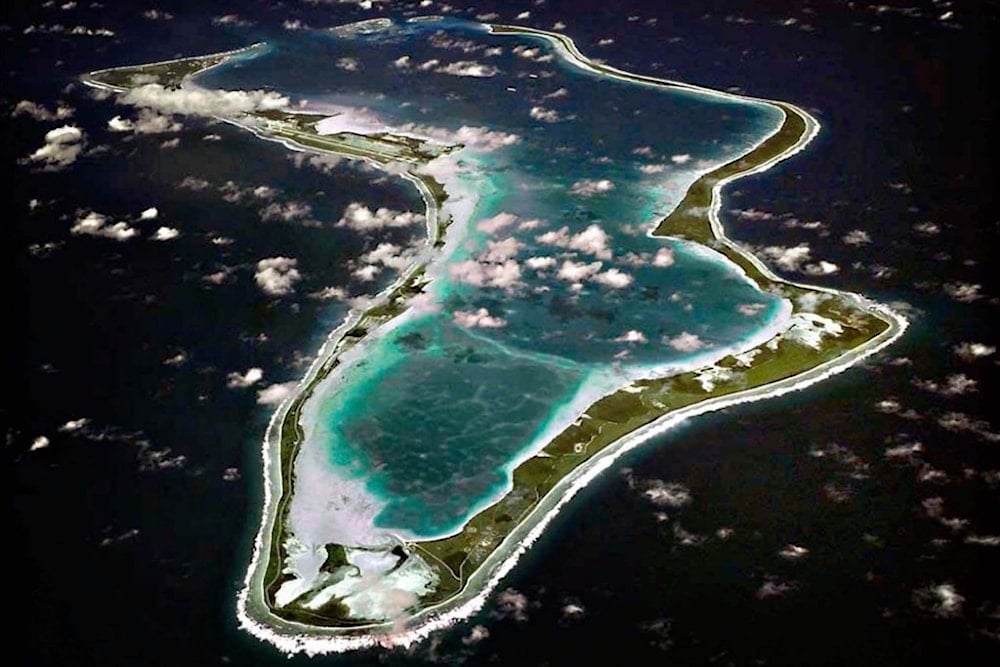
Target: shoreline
point(292, 637)
point(253, 610)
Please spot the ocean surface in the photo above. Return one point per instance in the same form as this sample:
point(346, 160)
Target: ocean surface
point(132, 520)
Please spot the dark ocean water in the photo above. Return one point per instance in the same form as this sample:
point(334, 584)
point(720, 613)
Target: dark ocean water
point(126, 554)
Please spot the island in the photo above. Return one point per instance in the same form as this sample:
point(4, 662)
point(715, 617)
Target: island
point(442, 426)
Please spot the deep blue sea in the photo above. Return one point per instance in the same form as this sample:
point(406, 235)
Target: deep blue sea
point(132, 520)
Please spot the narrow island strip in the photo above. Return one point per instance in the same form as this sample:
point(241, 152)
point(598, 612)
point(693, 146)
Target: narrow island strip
point(829, 331)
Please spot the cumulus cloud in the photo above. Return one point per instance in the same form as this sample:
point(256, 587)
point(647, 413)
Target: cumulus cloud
point(512, 604)
point(545, 115)
point(967, 351)
point(62, 147)
point(201, 101)
point(348, 64)
point(277, 275)
point(588, 187)
point(165, 234)
point(244, 380)
point(359, 217)
point(856, 237)
point(93, 223)
point(685, 342)
point(964, 292)
point(682, 158)
point(614, 278)
point(468, 68)
point(941, 600)
point(650, 169)
point(956, 384)
point(632, 336)
point(535, 54)
point(286, 212)
point(479, 138)
point(40, 112)
point(593, 241)
point(149, 214)
point(496, 223)
point(478, 318)
point(797, 259)
point(578, 272)
point(276, 393)
point(540, 263)
point(505, 276)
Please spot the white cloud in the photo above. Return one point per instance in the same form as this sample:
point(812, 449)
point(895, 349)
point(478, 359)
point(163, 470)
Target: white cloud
point(244, 380)
point(202, 101)
point(512, 604)
point(614, 278)
point(505, 276)
point(632, 336)
point(545, 115)
point(39, 112)
point(941, 600)
point(478, 318)
point(589, 187)
point(276, 393)
point(403, 62)
point(683, 158)
point(577, 272)
point(797, 259)
point(149, 214)
point(157, 15)
point(41, 442)
point(62, 146)
point(468, 68)
point(593, 240)
point(193, 183)
point(501, 251)
point(286, 212)
point(359, 217)
point(664, 257)
point(534, 54)
point(856, 237)
point(476, 635)
point(556, 94)
point(95, 224)
point(231, 19)
point(685, 342)
point(496, 223)
point(277, 275)
point(540, 263)
point(74, 425)
point(479, 138)
point(964, 292)
point(166, 234)
point(970, 351)
point(650, 169)
point(349, 64)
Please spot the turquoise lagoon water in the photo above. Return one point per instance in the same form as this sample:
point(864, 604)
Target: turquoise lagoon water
point(574, 288)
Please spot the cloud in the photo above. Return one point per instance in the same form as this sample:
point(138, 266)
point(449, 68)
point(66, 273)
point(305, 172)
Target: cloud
point(74, 425)
point(593, 241)
point(750, 309)
point(650, 169)
point(478, 318)
point(856, 237)
point(505, 276)
point(359, 217)
point(193, 183)
point(496, 223)
point(39, 112)
point(403, 62)
point(286, 212)
point(614, 278)
point(971, 351)
point(166, 234)
point(512, 604)
point(534, 54)
point(468, 68)
point(479, 138)
point(244, 380)
point(276, 393)
point(41, 442)
point(632, 336)
point(231, 19)
point(201, 101)
point(793, 552)
point(62, 146)
point(95, 224)
point(348, 64)
point(545, 115)
point(390, 255)
point(149, 214)
point(277, 275)
point(666, 494)
point(556, 94)
point(476, 635)
point(540, 263)
point(941, 600)
point(685, 342)
point(664, 257)
point(577, 272)
point(751, 214)
point(683, 158)
point(963, 292)
point(954, 385)
point(157, 15)
point(589, 187)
